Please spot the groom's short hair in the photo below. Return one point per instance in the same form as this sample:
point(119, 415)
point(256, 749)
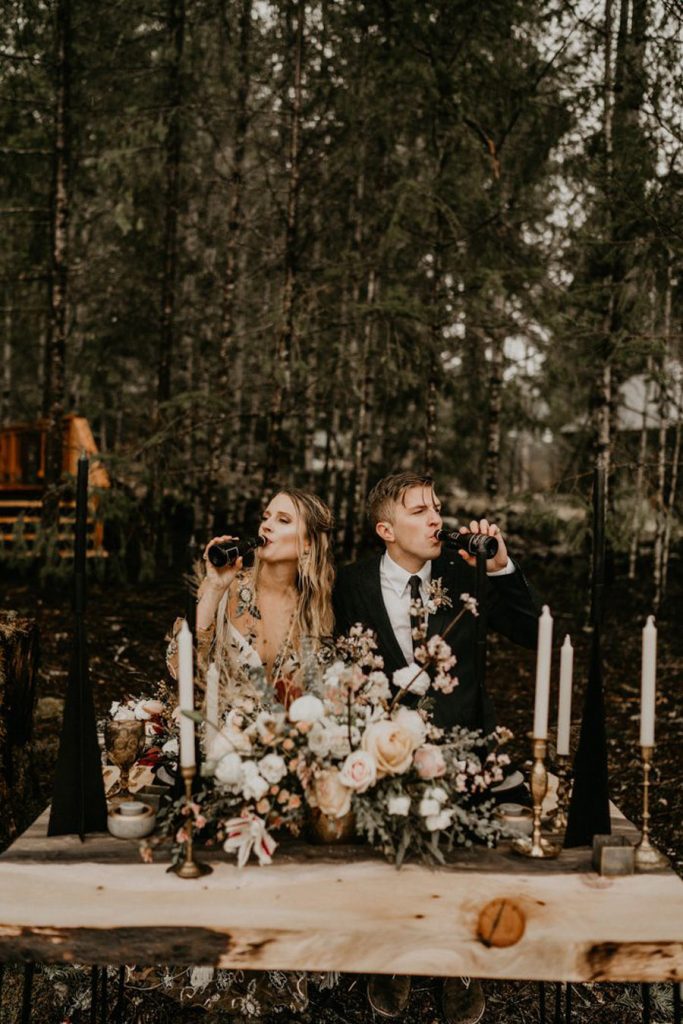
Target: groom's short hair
point(388, 491)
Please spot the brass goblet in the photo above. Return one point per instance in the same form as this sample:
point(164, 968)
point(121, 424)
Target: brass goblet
point(124, 742)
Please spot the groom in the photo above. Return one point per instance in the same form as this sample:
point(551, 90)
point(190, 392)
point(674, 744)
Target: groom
point(377, 592)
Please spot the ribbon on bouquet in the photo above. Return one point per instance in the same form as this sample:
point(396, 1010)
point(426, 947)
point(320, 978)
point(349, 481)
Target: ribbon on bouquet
point(247, 834)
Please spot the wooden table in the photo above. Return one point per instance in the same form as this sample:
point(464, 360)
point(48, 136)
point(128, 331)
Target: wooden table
point(340, 909)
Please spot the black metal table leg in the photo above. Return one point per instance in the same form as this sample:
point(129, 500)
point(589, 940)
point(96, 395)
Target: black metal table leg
point(558, 1003)
point(2, 985)
point(26, 998)
point(645, 994)
point(118, 1016)
point(568, 1004)
point(678, 1015)
point(94, 978)
point(541, 1002)
point(104, 1009)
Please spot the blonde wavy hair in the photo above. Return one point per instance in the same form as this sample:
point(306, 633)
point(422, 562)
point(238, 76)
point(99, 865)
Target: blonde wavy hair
point(315, 576)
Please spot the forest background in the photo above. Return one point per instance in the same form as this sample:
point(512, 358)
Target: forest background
point(313, 242)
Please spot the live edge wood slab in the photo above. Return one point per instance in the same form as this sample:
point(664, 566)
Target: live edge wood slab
point(489, 914)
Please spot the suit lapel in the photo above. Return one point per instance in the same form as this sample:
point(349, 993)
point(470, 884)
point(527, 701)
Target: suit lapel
point(377, 614)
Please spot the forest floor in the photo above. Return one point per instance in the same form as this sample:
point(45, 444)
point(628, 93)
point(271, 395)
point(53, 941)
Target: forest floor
point(126, 628)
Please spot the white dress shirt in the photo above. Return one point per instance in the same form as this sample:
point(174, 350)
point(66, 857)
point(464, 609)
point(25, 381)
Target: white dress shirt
point(395, 584)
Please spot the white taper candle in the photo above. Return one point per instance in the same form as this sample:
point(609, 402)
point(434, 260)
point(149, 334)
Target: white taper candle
point(186, 696)
point(545, 640)
point(212, 677)
point(647, 684)
point(564, 707)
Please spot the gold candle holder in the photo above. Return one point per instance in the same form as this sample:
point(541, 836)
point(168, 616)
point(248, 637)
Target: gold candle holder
point(535, 845)
point(558, 818)
point(189, 867)
point(647, 858)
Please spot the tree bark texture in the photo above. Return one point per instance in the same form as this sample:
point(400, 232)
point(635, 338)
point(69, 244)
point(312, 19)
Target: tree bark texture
point(222, 440)
point(173, 152)
point(54, 384)
point(283, 353)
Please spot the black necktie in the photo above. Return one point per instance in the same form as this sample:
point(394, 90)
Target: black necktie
point(415, 595)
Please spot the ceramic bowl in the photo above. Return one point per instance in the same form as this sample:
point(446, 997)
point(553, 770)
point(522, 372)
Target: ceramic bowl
point(517, 819)
point(131, 819)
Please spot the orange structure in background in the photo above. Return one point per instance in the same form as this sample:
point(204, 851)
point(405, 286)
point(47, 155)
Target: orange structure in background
point(22, 481)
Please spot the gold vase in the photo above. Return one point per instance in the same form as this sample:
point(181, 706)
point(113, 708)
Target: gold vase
point(326, 830)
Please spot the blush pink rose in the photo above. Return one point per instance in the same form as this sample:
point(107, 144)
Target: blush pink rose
point(429, 762)
point(359, 771)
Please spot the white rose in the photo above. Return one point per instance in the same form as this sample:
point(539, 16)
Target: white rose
point(403, 680)
point(229, 771)
point(220, 744)
point(170, 746)
point(306, 709)
point(437, 793)
point(399, 805)
point(319, 740)
point(124, 715)
point(272, 768)
point(435, 822)
point(413, 723)
point(429, 807)
point(140, 713)
point(359, 771)
point(268, 725)
point(254, 785)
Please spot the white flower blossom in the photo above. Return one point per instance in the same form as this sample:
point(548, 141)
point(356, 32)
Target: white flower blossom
point(436, 822)
point(399, 806)
point(272, 768)
point(428, 807)
point(306, 709)
point(229, 771)
point(412, 679)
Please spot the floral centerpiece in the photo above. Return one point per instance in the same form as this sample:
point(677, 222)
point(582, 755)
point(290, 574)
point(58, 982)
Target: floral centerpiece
point(349, 749)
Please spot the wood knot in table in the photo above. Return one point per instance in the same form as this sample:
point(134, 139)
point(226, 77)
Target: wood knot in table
point(501, 923)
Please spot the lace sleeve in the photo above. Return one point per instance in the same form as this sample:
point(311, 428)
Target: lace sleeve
point(204, 642)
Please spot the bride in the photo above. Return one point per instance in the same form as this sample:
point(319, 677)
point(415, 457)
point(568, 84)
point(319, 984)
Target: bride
point(255, 621)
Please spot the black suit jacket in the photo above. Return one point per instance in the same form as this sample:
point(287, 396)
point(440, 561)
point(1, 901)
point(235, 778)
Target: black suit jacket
point(508, 605)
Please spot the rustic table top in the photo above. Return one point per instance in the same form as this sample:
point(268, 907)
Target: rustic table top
point(489, 913)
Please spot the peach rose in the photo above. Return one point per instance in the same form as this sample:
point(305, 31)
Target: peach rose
point(429, 762)
point(391, 746)
point(331, 795)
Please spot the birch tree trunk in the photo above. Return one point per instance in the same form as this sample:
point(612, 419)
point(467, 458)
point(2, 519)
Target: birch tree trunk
point(364, 416)
point(640, 477)
point(173, 152)
point(283, 353)
point(662, 443)
point(54, 384)
point(495, 408)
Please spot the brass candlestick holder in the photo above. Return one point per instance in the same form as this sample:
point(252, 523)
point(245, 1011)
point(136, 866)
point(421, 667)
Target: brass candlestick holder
point(535, 845)
point(558, 818)
point(189, 867)
point(647, 858)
